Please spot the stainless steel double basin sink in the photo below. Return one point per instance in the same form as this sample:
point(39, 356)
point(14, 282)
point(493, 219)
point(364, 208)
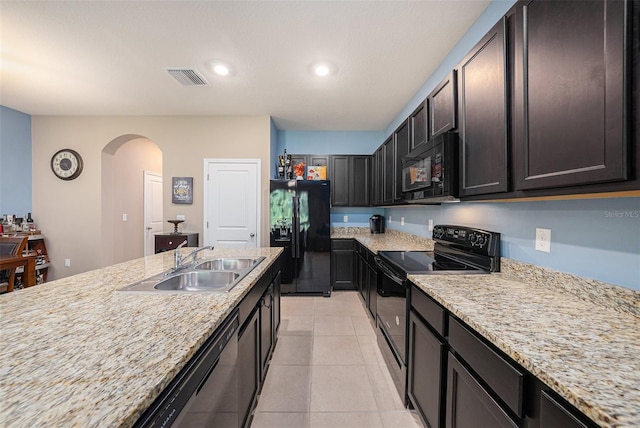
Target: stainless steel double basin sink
point(217, 275)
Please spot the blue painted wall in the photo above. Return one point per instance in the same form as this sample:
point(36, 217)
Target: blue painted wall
point(15, 162)
point(356, 217)
point(273, 148)
point(593, 238)
point(329, 142)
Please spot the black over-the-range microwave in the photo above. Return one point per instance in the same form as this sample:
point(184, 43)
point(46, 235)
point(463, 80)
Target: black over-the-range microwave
point(430, 172)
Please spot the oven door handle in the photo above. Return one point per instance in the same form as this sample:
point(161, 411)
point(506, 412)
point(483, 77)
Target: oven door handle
point(388, 272)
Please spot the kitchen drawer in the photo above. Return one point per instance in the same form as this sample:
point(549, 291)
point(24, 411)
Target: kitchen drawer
point(499, 374)
point(342, 244)
point(169, 241)
point(428, 309)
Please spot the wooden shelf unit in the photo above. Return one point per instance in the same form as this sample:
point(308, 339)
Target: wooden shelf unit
point(35, 252)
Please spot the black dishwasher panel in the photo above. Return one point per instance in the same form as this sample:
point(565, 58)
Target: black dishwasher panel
point(205, 391)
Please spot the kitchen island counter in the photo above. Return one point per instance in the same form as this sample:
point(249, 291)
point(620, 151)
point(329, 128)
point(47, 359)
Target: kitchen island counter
point(77, 352)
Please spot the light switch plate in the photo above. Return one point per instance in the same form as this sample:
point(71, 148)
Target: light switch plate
point(543, 240)
point(401, 221)
point(124, 217)
point(430, 225)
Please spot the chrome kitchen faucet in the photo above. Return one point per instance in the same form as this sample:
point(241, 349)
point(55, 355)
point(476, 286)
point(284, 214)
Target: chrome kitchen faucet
point(179, 261)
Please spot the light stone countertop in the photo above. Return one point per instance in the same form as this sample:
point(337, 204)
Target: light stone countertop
point(391, 240)
point(580, 337)
point(585, 351)
point(77, 353)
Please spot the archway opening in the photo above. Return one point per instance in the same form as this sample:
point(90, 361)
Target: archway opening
point(124, 162)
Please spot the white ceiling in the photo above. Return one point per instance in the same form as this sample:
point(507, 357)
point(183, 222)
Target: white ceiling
point(107, 57)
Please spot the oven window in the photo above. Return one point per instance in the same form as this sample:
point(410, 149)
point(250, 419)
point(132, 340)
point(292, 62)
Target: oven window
point(416, 175)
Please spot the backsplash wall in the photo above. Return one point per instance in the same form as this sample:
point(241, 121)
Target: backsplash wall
point(593, 238)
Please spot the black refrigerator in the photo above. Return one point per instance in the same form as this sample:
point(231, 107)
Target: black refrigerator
point(300, 223)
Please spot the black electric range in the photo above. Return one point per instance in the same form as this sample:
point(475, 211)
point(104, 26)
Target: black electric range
point(458, 250)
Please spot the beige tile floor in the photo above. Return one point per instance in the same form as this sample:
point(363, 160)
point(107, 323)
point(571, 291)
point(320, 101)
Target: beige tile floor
point(327, 371)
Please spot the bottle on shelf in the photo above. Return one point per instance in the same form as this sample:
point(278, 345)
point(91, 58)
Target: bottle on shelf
point(30, 223)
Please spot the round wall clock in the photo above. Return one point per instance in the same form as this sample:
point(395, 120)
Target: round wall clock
point(66, 164)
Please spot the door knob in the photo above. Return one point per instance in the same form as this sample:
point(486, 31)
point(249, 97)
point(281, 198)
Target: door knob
point(252, 235)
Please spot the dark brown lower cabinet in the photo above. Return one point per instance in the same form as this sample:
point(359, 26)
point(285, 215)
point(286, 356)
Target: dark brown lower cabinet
point(367, 279)
point(276, 306)
point(266, 329)
point(248, 367)
point(425, 387)
point(468, 403)
point(343, 264)
point(362, 273)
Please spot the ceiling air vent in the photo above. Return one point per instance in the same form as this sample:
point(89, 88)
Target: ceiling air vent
point(187, 76)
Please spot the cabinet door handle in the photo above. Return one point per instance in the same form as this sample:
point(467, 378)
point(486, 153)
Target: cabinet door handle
point(148, 228)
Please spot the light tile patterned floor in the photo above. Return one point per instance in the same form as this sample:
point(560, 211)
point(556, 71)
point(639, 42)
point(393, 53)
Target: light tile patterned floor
point(327, 371)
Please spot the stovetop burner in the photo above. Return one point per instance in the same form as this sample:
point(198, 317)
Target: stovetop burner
point(458, 249)
point(424, 262)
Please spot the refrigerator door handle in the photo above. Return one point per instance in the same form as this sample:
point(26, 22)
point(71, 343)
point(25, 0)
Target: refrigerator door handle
point(295, 232)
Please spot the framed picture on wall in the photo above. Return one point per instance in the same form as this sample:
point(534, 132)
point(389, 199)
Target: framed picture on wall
point(182, 190)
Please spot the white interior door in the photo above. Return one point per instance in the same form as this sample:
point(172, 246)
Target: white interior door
point(232, 203)
point(152, 210)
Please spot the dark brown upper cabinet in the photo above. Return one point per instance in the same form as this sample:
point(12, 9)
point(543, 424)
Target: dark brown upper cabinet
point(377, 176)
point(389, 167)
point(401, 136)
point(339, 180)
point(570, 112)
point(350, 180)
point(442, 106)
point(359, 180)
point(483, 115)
point(418, 126)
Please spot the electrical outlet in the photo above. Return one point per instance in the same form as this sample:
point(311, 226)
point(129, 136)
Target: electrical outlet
point(543, 240)
point(67, 262)
point(180, 217)
point(345, 219)
point(124, 217)
point(389, 219)
point(401, 221)
point(430, 225)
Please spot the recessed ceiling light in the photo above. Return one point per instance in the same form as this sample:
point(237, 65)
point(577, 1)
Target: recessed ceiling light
point(221, 70)
point(323, 69)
